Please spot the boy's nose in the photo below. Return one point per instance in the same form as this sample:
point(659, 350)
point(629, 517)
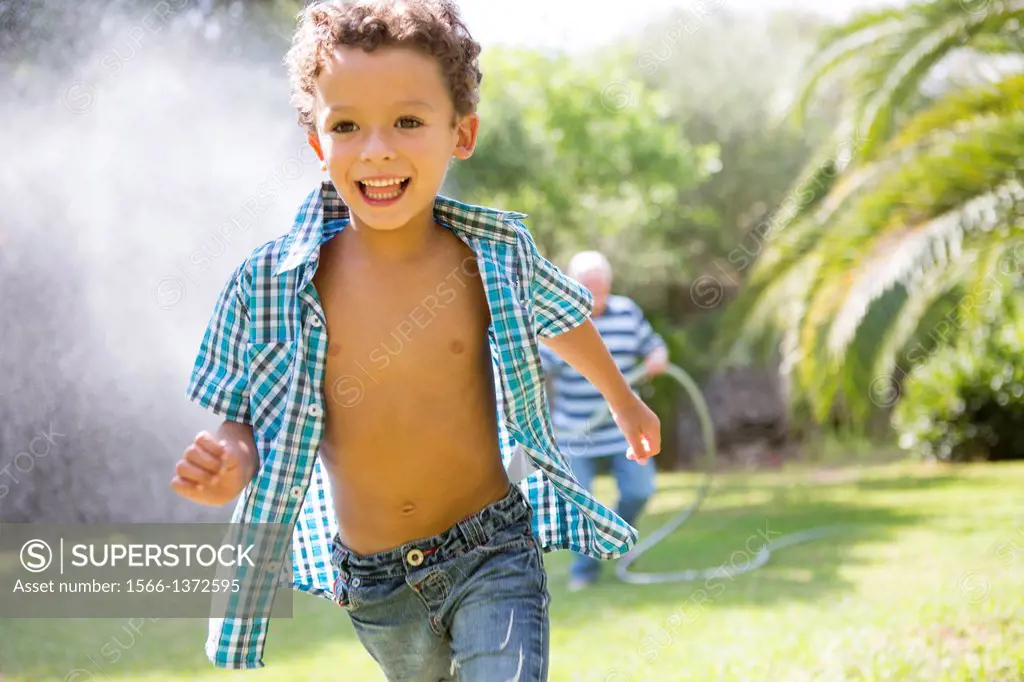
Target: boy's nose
point(377, 148)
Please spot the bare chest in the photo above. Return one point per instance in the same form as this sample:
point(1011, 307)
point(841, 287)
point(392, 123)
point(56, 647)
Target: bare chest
point(391, 330)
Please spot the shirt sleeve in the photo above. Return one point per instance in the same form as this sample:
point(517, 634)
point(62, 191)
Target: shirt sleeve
point(647, 340)
point(560, 303)
point(220, 376)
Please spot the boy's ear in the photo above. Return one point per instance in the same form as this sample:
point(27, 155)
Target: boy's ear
point(466, 129)
point(314, 142)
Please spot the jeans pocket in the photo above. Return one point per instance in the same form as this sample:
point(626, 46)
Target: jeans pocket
point(510, 561)
point(514, 537)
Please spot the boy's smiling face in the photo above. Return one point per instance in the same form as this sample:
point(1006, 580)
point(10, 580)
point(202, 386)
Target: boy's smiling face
point(386, 127)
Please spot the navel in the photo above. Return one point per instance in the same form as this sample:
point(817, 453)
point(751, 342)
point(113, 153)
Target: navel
point(408, 508)
point(457, 346)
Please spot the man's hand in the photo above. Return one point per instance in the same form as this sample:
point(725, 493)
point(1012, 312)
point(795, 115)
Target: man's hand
point(657, 362)
point(641, 427)
point(212, 472)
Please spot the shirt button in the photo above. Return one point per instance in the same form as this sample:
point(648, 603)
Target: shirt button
point(316, 321)
point(313, 410)
point(296, 492)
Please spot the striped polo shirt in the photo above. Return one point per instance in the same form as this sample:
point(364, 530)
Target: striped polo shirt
point(629, 338)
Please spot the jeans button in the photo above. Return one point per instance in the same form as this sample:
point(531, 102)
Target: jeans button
point(355, 582)
point(414, 557)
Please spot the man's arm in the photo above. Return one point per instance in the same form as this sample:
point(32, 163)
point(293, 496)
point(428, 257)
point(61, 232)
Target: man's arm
point(650, 344)
point(656, 361)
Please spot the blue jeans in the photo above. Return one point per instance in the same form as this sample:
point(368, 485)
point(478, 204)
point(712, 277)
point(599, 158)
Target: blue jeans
point(468, 604)
point(636, 485)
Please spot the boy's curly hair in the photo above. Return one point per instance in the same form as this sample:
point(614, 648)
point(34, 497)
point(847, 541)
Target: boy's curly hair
point(432, 26)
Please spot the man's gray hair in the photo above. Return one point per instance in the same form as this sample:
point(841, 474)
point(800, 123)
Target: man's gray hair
point(586, 262)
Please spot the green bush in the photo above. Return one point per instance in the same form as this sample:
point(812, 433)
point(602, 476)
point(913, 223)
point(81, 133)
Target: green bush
point(966, 402)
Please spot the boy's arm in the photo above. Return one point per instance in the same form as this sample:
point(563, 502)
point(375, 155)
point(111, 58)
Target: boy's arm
point(562, 308)
point(585, 350)
point(215, 468)
point(220, 375)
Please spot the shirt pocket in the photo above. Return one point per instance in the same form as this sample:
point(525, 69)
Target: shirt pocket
point(271, 378)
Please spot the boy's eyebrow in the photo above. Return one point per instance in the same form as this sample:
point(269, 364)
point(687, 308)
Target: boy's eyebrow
point(405, 103)
point(415, 103)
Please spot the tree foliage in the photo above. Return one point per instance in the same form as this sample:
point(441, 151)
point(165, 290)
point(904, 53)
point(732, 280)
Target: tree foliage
point(588, 151)
point(903, 212)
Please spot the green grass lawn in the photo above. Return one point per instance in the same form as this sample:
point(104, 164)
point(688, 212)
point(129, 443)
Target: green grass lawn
point(927, 584)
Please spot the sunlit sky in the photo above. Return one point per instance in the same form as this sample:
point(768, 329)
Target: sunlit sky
point(577, 24)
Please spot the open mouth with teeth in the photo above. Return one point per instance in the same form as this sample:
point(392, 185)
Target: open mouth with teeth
point(383, 190)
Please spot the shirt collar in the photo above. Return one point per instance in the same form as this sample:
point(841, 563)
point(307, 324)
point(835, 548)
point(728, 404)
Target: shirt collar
point(323, 214)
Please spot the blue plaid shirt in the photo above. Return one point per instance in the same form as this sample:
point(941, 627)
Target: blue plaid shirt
point(261, 362)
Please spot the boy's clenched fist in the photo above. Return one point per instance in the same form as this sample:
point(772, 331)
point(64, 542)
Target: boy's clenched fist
point(212, 472)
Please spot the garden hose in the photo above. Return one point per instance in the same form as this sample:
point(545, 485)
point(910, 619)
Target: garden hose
point(707, 429)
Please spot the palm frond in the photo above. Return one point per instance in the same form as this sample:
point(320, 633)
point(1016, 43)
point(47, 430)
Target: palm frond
point(877, 189)
point(861, 21)
point(859, 389)
point(892, 51)
point(893, 83)
point(915, 221)
point(956, 112)
point(908, 255)
point(910, 259)
point(944, 176)
point(850, 43)
point(954, 296)
point(889, 227)
point(755, 317)
point(788, 231)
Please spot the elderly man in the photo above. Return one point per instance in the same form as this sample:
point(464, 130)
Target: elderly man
point(631, 341)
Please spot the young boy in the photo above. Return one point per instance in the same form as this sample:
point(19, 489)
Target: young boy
point(378, 366)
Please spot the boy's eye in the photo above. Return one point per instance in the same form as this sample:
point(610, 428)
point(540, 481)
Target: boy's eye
point(344, 127)
point(408, 122)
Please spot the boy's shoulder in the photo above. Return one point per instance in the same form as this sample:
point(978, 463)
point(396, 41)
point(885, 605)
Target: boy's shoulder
point(487, 222)
point(262, 262)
